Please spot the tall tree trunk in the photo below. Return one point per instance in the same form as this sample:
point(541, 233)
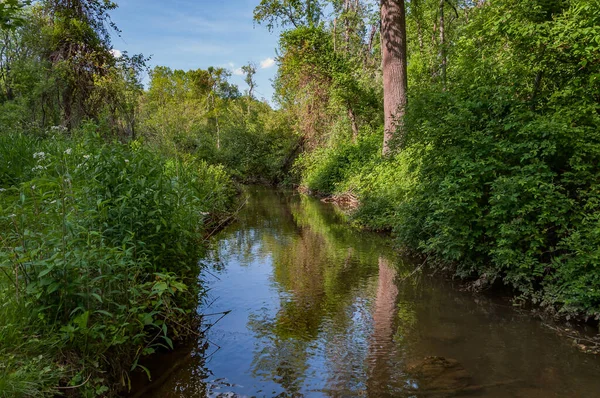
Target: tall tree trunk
point(417, 12)
point(347, 26)
point(67, 103)
point(443, 58)
point(310, 13)
point(371, 39)
point(335, 35)
point(353, 122)
point(395, 82)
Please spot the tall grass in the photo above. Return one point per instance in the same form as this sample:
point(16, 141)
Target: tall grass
point(98, 265)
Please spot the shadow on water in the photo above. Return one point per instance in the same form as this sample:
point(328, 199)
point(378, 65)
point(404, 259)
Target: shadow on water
point(319, 309)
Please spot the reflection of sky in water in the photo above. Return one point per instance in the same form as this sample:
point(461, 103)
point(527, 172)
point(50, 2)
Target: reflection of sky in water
point(315, 312)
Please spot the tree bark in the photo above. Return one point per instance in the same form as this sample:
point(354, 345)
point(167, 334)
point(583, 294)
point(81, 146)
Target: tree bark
point(417, 11)
point(443, 58)
point(353, 122)
point(335, 35)
point(395, 83)
point(346, 26)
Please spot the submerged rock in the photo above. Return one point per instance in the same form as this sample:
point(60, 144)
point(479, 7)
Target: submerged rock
point(439, 375)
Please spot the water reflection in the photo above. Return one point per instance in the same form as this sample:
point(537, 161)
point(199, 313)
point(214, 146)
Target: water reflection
point(319, 309)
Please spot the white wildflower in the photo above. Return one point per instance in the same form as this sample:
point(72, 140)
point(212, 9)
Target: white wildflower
point(68, 151)
point(58, 129)
point(38, 168)
point(33, 187)
point(126, 160)
point(39, 155)
point(86, 157)
point(2, 189)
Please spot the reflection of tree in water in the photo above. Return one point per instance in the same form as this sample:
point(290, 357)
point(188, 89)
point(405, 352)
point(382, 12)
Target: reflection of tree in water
point(282, 360)
point(342, 326)
point(381, 346)
point(318, 269)
point(266, 214)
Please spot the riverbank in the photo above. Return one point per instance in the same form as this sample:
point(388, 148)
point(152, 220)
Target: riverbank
point(493, 218)
point(100, 247)
point(575, 327)
point(319, 309)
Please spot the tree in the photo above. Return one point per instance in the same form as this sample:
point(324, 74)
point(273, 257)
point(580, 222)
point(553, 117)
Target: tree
point(395, 83)
point(80, 53)
point(10, 14)
point(249, 72)
point(288, 12)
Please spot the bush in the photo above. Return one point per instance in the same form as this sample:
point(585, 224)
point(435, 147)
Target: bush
point(325, 170)
point(498, 171)
point(100, 244)
point(498, 191)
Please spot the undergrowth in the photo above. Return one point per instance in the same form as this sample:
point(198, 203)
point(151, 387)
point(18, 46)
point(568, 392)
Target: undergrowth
point(99, 258)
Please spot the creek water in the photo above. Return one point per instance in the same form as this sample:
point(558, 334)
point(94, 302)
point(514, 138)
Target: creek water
point(319, 309)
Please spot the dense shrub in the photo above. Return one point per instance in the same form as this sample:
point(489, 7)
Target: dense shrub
point(325, 169)
point(100, 244)
point(497, 174)
point(493, 188)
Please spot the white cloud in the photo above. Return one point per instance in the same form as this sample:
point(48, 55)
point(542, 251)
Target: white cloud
point(267, 63)
point(234, 70)
point(116, 53)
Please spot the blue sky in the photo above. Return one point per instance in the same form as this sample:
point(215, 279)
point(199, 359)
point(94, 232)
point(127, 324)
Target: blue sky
point(192, 34)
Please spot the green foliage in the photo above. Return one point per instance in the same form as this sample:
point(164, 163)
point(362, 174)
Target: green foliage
point(324, 170)
point(100, 244)
point(16, 159)
point(56, 68)
point(9, 14)
point(498, 174)
point(323, 89)
point(382, 184)
point(200, 113)
point(288, 12)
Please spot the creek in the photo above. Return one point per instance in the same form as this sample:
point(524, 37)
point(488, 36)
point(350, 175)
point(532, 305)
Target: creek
point(316, 308)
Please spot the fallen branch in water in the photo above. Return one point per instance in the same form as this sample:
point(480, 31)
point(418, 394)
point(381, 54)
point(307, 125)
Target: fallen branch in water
point(223, 315)
point(587, 345)
point(226, 220)
point(418, 269)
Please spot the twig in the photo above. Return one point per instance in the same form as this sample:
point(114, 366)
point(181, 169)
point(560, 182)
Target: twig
point(73, 387)
point(419, 268)
point(211, 274)
point(215, 322)
point(217, 313)
point(212, 302)
point(595, 343)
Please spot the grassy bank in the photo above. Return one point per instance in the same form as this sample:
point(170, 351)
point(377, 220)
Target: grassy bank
point(98, 266)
